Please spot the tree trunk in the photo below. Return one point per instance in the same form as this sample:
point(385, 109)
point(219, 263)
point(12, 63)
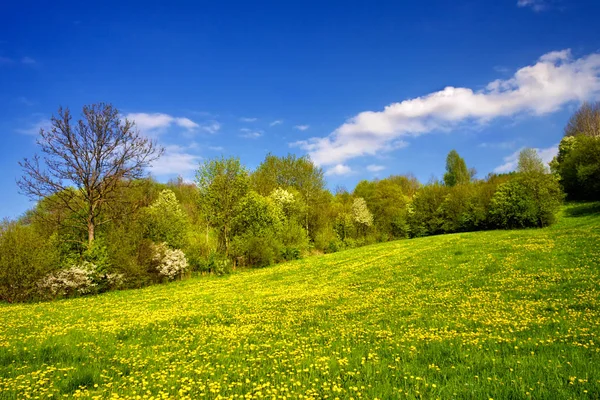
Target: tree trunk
point(207, 226)
point(91, 229)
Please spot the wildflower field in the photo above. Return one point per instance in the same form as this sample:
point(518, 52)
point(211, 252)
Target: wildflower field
point(497, 314)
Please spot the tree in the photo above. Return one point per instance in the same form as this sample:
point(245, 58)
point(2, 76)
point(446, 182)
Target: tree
point(84, 163)
point(456, 170)
point(222, 184)
point(530, 162)
point(585, 121)
point(578, 167)
point(361, 214)
point(291, 172)
point(166, 221)
point(577, 163)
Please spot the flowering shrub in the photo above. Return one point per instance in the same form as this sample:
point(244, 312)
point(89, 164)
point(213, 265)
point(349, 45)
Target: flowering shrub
point(170, 263)
point(79, 279)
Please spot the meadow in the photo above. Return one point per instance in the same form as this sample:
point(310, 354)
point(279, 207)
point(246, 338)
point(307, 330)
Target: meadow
point(496, 314)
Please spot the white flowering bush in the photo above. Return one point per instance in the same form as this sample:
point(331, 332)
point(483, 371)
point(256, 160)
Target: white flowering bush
point(170, 263)
point(114, 280)
point(77, 280)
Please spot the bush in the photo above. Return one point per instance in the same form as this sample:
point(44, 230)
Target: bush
point(528, 200)
point(255, 251)
point(218, 264)
point(170, 264)
point(25, 258)
point(328, 241)
point(294, 241)
point(77, 280)
point(513, 207)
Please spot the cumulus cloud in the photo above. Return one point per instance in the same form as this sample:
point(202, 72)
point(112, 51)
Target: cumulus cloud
point(245, 119)
point(276, 122)
point(149, 123)
point(339, 169)
point(302, 127)
point(375, 168)
point(542, 88)
point(175, 161)
point(511, 161)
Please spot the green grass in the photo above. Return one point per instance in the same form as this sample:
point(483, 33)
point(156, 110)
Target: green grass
point(499, 314)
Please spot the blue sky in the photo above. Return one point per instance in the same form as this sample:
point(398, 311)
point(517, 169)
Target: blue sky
point(367, 89)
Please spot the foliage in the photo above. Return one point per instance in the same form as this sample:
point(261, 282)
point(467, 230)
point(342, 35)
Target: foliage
point(361, 215)
point(423, 216)
point(578, 167)
point(222, 183)
point(165, 221)
point(25, 257)
point(76, 280)
point(256, 251)
point(513, 206)
point(170, 263)
point(456, 170)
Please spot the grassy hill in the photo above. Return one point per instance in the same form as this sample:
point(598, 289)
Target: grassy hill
point(500, 314)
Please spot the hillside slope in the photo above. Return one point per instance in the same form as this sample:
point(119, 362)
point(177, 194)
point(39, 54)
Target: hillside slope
point(500, 314)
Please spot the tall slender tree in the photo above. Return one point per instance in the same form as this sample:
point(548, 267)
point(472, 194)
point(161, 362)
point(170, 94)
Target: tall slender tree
point(456, 170)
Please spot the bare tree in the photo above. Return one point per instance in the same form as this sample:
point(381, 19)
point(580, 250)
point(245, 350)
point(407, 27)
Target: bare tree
point(85, 162)
point(585, 121)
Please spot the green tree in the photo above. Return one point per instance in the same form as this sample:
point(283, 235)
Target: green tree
point(222, 183)
point(456, 170)
point(25, 258)
point(578, 167)
point(166, 221)
point(299, 173)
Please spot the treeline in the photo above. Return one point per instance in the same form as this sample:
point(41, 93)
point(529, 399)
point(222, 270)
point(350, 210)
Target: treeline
point(99, 225)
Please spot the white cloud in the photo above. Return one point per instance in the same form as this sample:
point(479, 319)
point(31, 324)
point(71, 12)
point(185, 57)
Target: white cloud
point(250, 134)
point(542, 88)
point(175, 161)
point(245, 119)
point(216, 148)
point(34, 129)
point(302, 127)
point(212, 127)
point(339, 169)
point(276, 122)
point(151, 123)
point(375, 168)
point(511, 161)
point(535, 5)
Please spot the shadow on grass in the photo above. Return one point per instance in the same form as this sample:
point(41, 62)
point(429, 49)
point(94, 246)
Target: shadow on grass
point(582, 209)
